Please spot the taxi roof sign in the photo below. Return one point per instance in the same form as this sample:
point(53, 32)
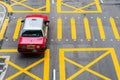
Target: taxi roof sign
point(33, 23)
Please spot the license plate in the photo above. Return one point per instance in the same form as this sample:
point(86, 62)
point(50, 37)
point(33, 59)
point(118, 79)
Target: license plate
point(30, 46)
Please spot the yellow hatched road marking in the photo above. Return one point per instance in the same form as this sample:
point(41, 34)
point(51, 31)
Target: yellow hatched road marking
point(4, 27)
point(25, 70)
point(59, 28)
point(89, 70)
point(79, 10)
point(87, 28)
point(98, 6)
point(19, 1)
point(17, 29)
point(73, 29)
point(89, 65)
point(114, 28)
point(116, 63)
point(22, 71)
point(46, 65)
point(62, 65)
point(101, 30)
point(48, 5)
point(23, 4)
point(85, 6)
point(62, 60)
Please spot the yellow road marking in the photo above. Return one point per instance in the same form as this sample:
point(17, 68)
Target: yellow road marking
point(59, 28)
point(30, 9)
point(25, 70)
point(101, 30)
point(46, 65)
point(22, 70)
point(22, 4)
point(62, 59)
point(73, 29)
point(4, 27)
point(114, 28)
point(89, 65)
point(16, 3)
point(17, 29)
point(87, 28)
point(81, 9)
point(86, 6)
point(87, 69)
point(41, 7)
point(8, 50)
point(62, 65)
point(98, 6)
point(9, 8)
point(48, 5)
point(68, 5)
point(116, 63)
point(58, 6)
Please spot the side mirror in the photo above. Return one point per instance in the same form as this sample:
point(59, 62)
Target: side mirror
point(47, 23)
point(23, 21)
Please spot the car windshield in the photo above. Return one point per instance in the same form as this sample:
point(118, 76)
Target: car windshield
point(32, 33)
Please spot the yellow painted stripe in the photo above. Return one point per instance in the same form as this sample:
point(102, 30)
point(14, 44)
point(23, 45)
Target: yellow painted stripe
point(17, 29)
point(86, 6)
point(89, 70)
point(8, 50)
point(87, 28)
point(98, 6)
point(85, 49)
point(47, 65)
point(89, 65)
point(48, 5)
point(16, 3)
point(24, 5)
point(73, 28)
point(101, 30)
point(114, 28)
point(23, 70)
point(116, 63)
point(59, 28)
point(62, 65)
point(4, 27)
point(59, 6)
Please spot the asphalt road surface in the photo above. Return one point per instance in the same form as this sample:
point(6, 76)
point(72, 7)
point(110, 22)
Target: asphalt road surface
point(83, 41)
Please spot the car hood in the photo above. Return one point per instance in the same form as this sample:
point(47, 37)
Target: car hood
point(28, 40)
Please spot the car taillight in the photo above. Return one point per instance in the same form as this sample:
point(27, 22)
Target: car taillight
point(37, 46)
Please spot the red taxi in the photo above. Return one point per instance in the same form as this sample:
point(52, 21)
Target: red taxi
point(34, 34)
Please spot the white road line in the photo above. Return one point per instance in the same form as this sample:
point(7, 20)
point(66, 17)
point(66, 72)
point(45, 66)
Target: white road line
point(81, 39)
point(53, 2)
point(54, 74)
point(101, 1)
point(5, 68)
point(111, 39)
point(66, 39)
point(96, 40)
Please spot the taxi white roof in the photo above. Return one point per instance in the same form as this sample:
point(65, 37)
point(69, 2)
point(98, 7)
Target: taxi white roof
point(33, 23)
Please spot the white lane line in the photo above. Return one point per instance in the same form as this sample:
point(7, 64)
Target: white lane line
point(54, 74)
point(101, 1)
point(5, 68)
point(53, 2)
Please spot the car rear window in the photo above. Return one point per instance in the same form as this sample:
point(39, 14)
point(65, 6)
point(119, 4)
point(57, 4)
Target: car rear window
point(32, 33)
